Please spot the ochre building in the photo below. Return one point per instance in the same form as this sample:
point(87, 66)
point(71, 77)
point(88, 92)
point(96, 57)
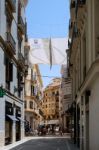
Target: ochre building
point(50, 103)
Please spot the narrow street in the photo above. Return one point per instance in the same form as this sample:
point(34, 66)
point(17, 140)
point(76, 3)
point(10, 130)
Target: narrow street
point(47, 143)
point(49, 74)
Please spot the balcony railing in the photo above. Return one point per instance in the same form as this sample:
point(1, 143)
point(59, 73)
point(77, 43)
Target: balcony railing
point(72, 5)
point(21, 58)
point(70, 24)
point(79, 6)
point(81, 2)
point(11, 42)
point(11, 4)
point(21, 24)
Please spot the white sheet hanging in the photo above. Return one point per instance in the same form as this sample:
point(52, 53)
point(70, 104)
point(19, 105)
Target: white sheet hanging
point(48, 51)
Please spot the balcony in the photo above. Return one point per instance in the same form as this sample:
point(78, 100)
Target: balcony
point(21, 59)
point(11, 45)
point(12, 5)
point(80, 8)
point(74, 42)
point(26, 53)
point(21, 25)
point(72, 4)
point(70, 28)
point(30, 110)
point(81, 3)
point(72, 9)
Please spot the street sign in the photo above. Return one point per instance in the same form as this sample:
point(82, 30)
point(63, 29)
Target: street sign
point(2, 92)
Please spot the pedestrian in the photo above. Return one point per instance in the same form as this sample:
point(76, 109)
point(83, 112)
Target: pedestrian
point(60, 131)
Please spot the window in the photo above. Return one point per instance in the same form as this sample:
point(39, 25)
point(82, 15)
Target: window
point(25, 104)
point(19, 44)
point(19, 8)
point(8, 72)
point(20, 79)
point(34, 76)
point(57, 99)
point(53, 93)
point(57, 93)
point(31, 105)
point(31, 74)
point(32, 90)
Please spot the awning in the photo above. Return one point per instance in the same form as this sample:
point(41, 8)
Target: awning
point(46, 122)
point(53, 122)
point(13, 118)
point(21, 119)
point(48, 51)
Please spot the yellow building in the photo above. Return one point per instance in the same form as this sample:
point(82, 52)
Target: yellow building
point(50, 102)
point(33, 95)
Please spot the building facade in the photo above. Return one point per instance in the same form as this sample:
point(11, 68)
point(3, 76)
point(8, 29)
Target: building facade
point(65, 99)
point(50, 103)
point(12, 70)
point(33, 96)
point(84, 68)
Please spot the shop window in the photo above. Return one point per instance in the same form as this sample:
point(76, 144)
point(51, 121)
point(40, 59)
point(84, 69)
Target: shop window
point(18, 111)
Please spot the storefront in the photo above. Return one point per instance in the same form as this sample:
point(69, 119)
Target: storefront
point(8, 122)
point(18, 123)
point(12, 116)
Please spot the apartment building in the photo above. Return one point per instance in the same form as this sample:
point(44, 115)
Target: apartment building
point(50, 103)
point(12, 70)
point(65, 99)
point(84, 68)
point(33, 96)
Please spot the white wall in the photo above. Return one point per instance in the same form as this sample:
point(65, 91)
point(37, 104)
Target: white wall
point(94, 116)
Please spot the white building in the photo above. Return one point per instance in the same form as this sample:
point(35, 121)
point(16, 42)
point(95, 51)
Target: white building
point(33, 96)
point(12, 70)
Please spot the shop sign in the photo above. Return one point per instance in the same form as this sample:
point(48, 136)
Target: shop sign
point(2, 92)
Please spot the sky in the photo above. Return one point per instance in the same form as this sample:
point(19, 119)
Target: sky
point(48, 18)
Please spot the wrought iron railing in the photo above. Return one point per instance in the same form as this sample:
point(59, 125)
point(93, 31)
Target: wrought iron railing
point(10, 40)
point(21, 58)
point(12, 4)
point(21, 22)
